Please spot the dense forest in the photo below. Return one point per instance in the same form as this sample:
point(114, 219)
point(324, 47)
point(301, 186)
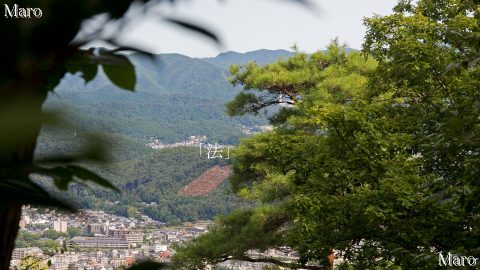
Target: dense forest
point(176, 97)
point(156, 178)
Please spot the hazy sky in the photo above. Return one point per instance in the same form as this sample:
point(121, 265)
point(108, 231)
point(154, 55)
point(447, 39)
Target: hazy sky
point(246, 25)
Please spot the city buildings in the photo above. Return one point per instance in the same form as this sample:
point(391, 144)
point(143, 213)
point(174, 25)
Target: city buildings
point(20, 253)
point(104, 242)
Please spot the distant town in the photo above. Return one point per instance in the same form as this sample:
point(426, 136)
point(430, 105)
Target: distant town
point(255, 129)
point(95, 240)
point(191, 141)
point(197, 140)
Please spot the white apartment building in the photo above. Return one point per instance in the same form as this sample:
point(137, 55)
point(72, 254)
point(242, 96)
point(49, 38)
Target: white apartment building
point(60, 225)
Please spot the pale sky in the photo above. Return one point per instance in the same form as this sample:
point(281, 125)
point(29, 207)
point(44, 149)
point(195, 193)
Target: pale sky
point(247, 25)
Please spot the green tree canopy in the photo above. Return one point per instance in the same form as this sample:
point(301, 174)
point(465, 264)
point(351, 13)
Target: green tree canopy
point(288, 170)
point(52, 234)
point(74, 231)
point(375, 156)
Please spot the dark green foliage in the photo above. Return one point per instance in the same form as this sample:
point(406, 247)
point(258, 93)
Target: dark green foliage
point(52, 234)
point(148, 266)
point(121, 73)
point(29, 192)
point(243, 104)
point(26, 239)
point(63, 175)
point(74, 231)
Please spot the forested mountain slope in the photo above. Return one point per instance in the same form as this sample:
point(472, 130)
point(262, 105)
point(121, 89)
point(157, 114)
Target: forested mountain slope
point(176, 97)
point(150, 186)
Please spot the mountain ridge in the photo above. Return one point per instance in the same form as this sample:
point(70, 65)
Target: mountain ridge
point(261, 57)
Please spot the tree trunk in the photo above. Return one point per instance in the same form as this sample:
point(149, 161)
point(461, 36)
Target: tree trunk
point(22, 108)
point(9, 220)
point(331, 260)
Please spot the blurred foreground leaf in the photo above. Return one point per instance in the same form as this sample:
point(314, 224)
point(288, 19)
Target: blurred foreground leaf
point(82, 62)
point(118, 69)
point(19, 122)
point(64, 175)
point(25, 192)
point(193, 27)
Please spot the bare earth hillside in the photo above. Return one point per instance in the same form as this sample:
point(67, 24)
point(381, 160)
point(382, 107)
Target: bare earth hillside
point(206, 182)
